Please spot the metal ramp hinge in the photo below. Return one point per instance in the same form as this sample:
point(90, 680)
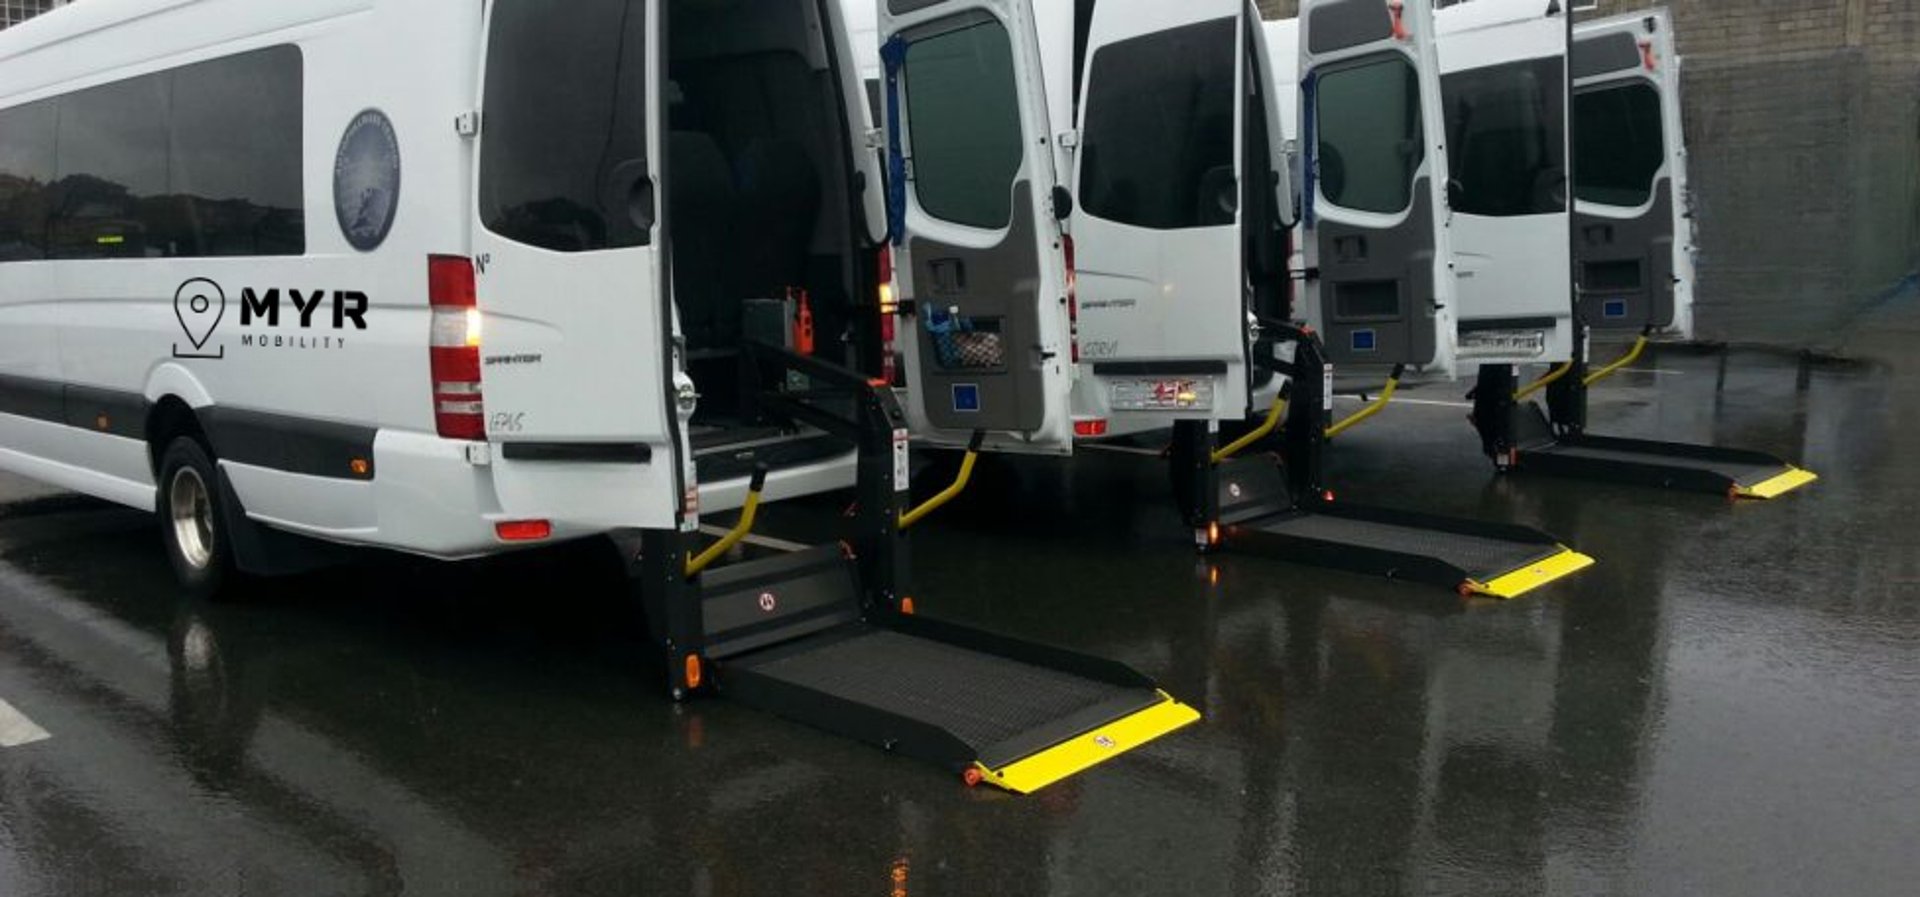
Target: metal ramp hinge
point(467, 124)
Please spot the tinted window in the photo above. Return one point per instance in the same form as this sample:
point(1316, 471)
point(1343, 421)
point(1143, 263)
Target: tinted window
point(109, 200)
point(235, 156)
point(1618, 144)
point(1506, 128)
point(1370, 141)
point(1158, 148)
point(198, 161)
point(963, 119)
point(26, 169)
point(563, 159)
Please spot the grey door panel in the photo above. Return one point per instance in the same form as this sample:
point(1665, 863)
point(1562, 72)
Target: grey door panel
point(977, 322)
point(1625, 266)
point(1377, 289)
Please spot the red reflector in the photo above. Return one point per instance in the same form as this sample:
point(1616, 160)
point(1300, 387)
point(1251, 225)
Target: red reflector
point(523, 530)
point(1328, 495)
point(1088, 429)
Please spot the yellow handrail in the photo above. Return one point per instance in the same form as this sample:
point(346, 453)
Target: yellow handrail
point(953, 490)
point(1552, 377)
point(1633, 355)
point(739, 531)
point(1274, 416)
point(1374, 407)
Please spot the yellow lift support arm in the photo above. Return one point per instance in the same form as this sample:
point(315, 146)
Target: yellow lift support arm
point(1633, 355)
point(953, 490)
point(739, 531)
point(1374, 407)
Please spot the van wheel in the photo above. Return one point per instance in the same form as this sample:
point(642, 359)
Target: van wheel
point(191, 519)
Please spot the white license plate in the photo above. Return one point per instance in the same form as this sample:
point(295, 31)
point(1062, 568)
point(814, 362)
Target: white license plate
point(1165, 394)
point(1503, 344)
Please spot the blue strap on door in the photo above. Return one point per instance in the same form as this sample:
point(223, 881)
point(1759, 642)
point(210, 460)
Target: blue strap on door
point(894, 55)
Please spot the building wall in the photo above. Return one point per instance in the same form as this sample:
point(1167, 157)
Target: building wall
point(13, 12)
point(1803, 121)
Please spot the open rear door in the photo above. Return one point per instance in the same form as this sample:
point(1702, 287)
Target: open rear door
point(978, 251)
point(1632, 223)
point(1504, 85)
point(1376, 239)
point(1157, 233)
point(575, 366)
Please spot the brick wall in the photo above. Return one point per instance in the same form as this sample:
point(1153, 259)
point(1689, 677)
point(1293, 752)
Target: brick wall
point(1803, 120)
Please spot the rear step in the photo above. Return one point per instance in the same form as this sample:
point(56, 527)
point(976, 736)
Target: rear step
point(785, 635)
point(1471, 557)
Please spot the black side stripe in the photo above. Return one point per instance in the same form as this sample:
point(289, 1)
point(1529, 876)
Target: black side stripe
point(292, 444)
point(261, 439)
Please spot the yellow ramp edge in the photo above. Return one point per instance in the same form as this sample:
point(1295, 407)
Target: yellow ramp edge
point(1036, 771)
point(1532, 576)
point(1777, 486)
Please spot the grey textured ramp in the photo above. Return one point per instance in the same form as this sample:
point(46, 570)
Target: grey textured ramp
point(1480, 557)
point(1745, 474)
point(980, 698)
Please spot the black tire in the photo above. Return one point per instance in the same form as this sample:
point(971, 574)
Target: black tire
point(200, 549)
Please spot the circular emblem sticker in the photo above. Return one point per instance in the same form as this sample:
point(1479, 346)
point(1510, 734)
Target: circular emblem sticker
point(366, 180)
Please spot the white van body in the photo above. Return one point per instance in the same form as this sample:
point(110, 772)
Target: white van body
point(299, 346)
point(1504, 84)
point(1633, 225)
point(1158, 312)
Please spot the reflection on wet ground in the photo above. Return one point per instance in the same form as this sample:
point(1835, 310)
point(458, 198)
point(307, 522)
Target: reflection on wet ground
point(1725, 705)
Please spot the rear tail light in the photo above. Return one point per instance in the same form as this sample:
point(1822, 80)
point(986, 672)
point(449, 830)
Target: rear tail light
point(1073, 298)
point(454, 348)
point(889, 306)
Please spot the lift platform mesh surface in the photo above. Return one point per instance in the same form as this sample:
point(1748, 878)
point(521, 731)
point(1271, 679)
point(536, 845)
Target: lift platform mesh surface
point(1479, 562)
point(1742, 474)
point(1022, 722)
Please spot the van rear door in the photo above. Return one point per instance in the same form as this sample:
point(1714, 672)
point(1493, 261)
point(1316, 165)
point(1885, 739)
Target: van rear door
point(1379, 277)
point(1503, 70)
point(979, 257)
point(1159, 251)
point(577, 361)
point(1632, 226)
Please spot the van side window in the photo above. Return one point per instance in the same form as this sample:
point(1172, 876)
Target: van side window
point(1157, 149)
point(963, 120)
point(1618, 143)
point(1505, 138)
point(1369, 134)
point(563, 152)
point(26, 171)
point(203, 160)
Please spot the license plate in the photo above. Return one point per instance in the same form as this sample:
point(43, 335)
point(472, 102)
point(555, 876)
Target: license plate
point(1173, 394)
point(1503, 344)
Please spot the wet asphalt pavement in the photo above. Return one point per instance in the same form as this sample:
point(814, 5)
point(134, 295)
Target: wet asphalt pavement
point(1729, 703)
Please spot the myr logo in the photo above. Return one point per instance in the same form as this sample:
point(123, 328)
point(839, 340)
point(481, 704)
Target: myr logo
point(201, 305)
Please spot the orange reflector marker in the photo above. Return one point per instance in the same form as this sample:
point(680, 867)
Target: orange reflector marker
point(1089, 429)
point(1327, 496)
point(102, 423)
point(1213, 533)
point(360, 467)
point(971, 776)
point(693, 671)
point(906, 606)
point(523, 530)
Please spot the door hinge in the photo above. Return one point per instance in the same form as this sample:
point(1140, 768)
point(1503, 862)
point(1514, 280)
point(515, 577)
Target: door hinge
point(876, 139)
point(1069, 139)
point(467, 124)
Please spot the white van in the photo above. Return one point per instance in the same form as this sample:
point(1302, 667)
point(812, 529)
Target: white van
point(1504, 86)
point(1633, 213)
point(452, 277)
